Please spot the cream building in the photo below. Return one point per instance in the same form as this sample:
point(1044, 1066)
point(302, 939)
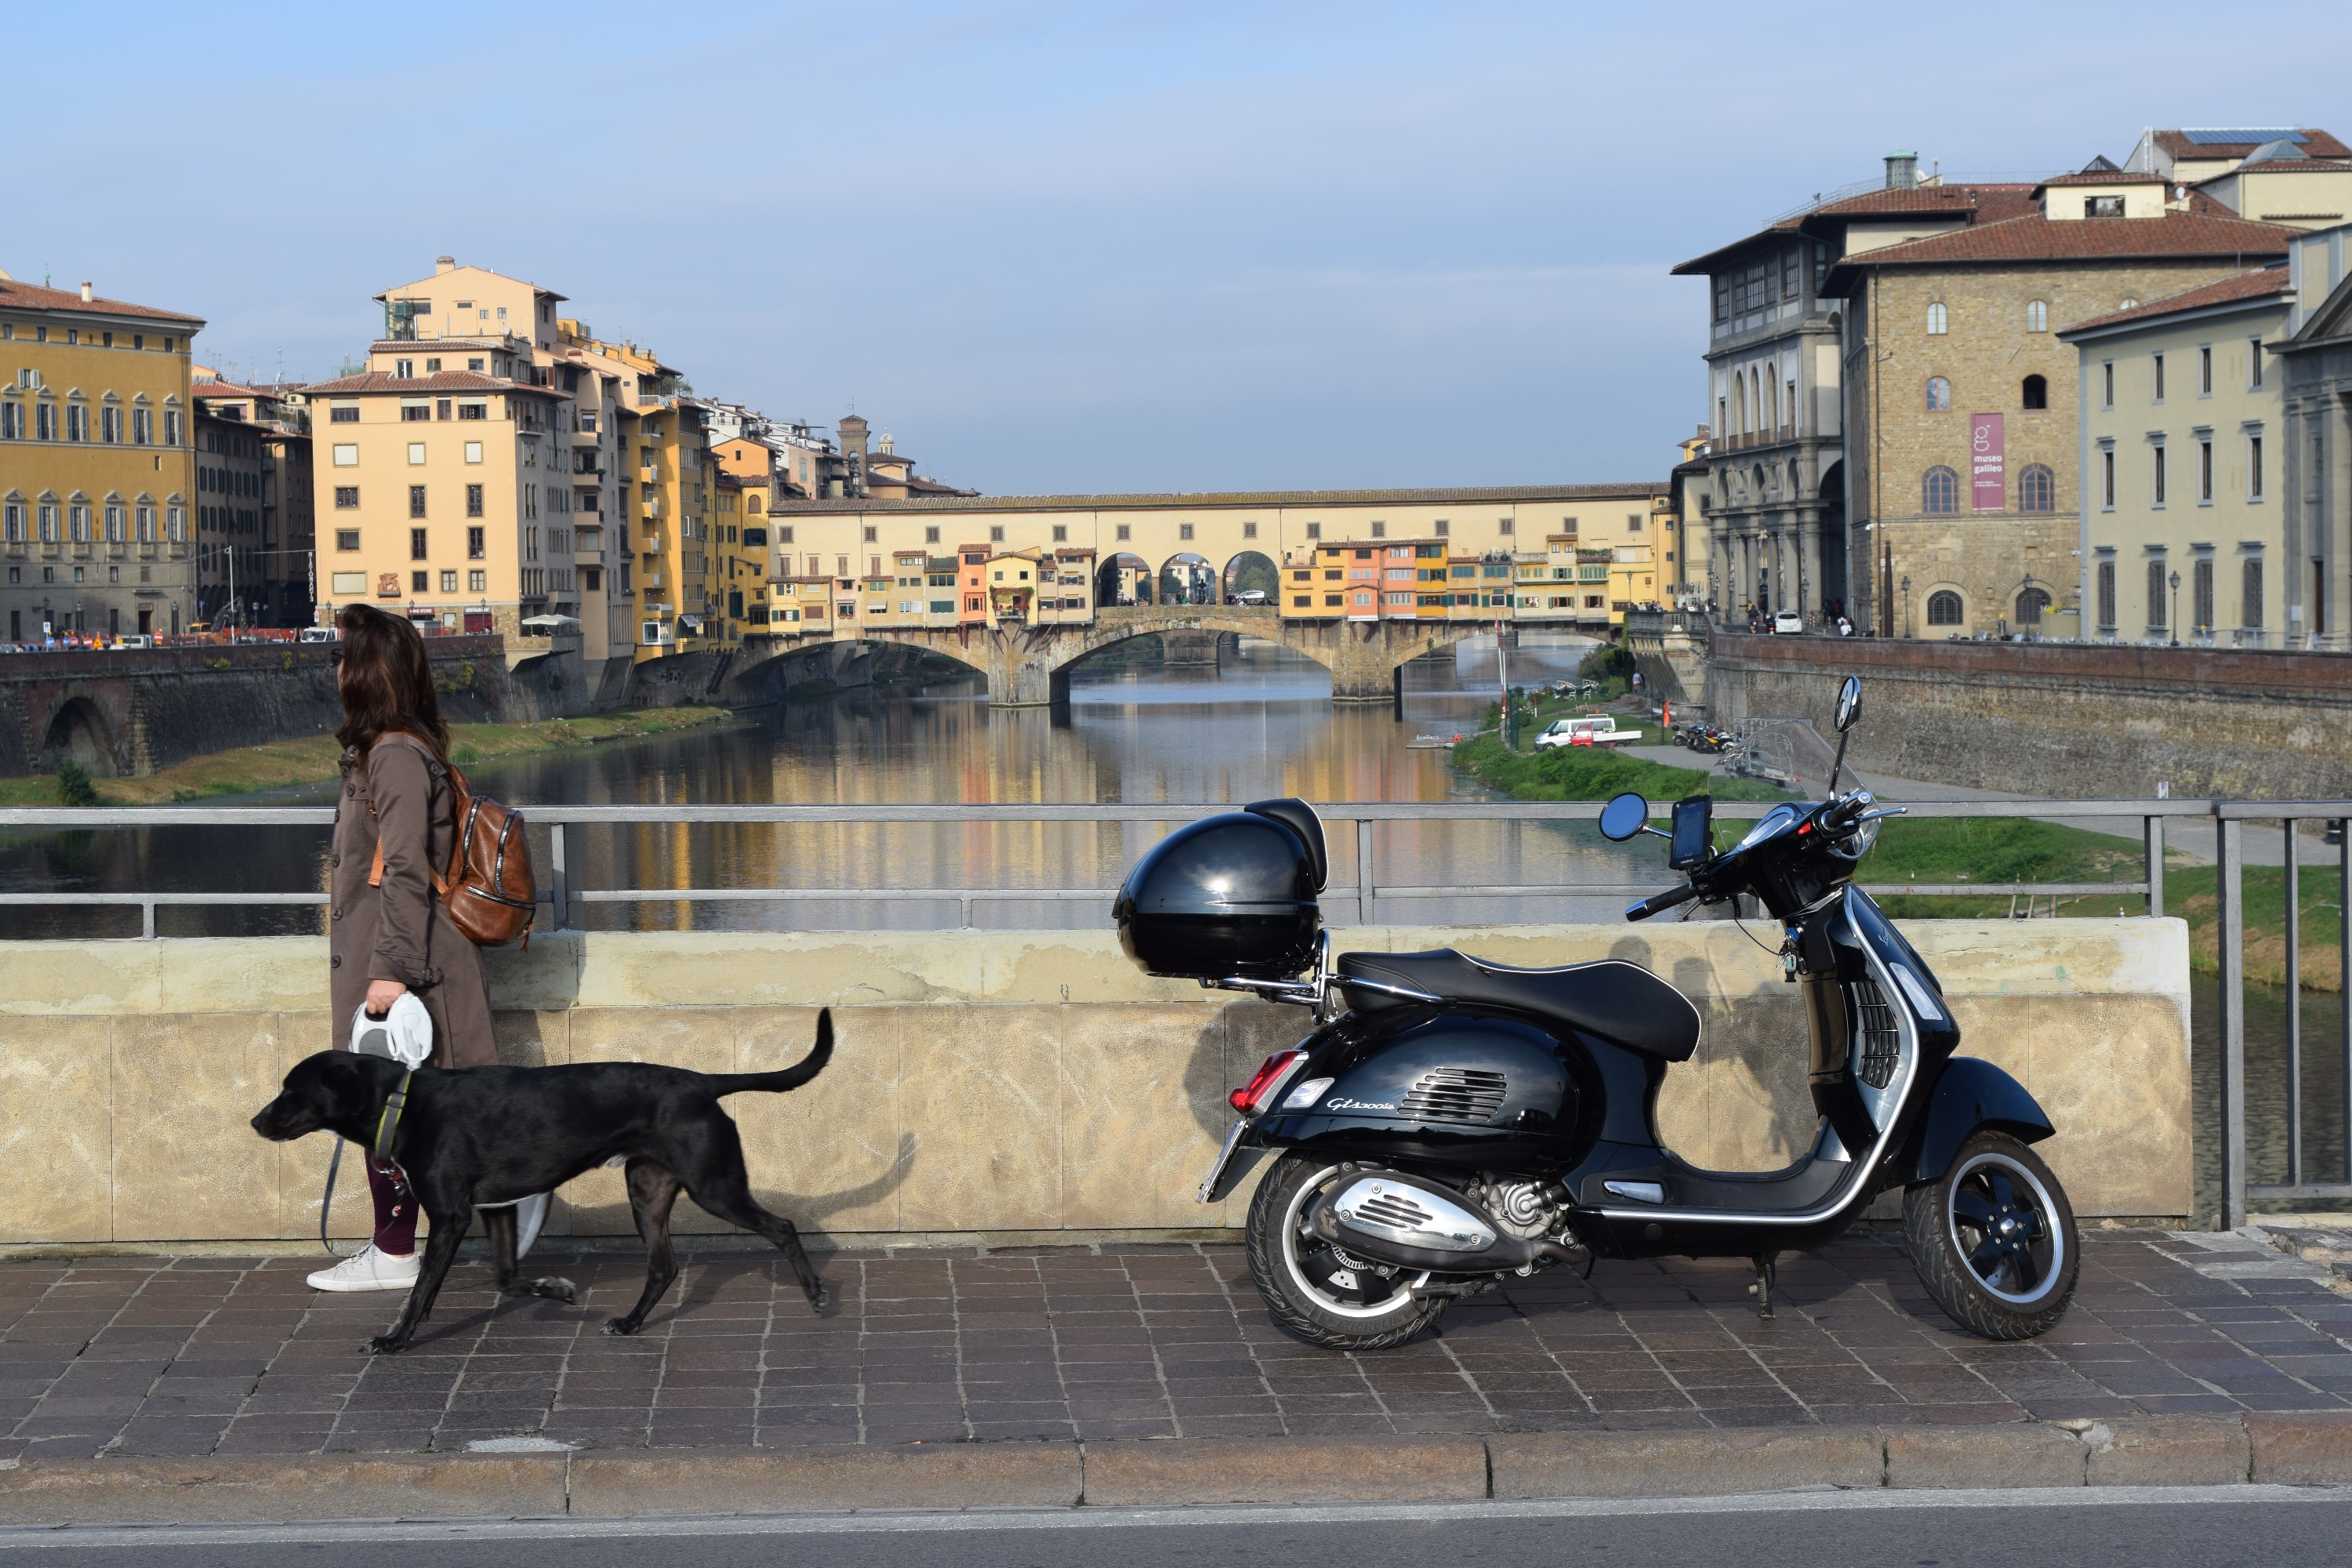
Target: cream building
point(2181, 415)
point(96, 470)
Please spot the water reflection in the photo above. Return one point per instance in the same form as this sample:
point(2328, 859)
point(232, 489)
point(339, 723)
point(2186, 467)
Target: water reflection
point(2267, 1080)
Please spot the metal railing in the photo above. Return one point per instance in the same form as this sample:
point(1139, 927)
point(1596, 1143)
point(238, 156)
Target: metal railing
point(1367, 895)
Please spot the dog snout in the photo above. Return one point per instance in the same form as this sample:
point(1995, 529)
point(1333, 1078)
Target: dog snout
point(273, 1122)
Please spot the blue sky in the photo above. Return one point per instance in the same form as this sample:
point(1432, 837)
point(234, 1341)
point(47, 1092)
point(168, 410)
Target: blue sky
point(1075, 246)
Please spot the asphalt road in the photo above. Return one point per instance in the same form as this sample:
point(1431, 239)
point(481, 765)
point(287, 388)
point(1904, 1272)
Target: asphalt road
point(2128, 1527)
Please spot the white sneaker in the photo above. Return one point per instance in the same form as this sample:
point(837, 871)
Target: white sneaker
point(368, 1269)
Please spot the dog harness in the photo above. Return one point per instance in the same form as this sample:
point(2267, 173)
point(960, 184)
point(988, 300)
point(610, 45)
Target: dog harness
point(387, 1126)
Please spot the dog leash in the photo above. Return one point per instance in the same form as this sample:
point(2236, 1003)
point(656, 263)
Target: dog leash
point(387, 1128)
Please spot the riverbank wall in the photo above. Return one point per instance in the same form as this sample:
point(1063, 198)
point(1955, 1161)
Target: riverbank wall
point(2081, 720)
point(986, 1085)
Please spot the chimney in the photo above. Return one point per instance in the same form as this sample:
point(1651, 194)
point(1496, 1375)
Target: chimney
point(85, 291)
point(444, 264)
point(1902, 171)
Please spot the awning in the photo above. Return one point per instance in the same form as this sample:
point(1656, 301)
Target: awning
point(551, 625)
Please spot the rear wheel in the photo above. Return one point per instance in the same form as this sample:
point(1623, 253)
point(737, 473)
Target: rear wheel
point(1321, 1293)
point(1994, 1239)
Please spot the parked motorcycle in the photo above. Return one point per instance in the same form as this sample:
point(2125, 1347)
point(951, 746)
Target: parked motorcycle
point(1450, 1122)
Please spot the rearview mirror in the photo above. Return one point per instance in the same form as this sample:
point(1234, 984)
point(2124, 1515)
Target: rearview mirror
point(1849, 703)
point(1623, 818)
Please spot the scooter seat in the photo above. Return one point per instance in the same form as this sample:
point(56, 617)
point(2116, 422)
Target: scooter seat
point(1618, 1001)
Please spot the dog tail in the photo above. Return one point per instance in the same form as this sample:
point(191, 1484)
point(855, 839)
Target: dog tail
point(782, 1079)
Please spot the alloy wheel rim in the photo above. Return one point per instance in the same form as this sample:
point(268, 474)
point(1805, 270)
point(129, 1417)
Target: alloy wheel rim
point(1304, 1278)
point(2004, 1226)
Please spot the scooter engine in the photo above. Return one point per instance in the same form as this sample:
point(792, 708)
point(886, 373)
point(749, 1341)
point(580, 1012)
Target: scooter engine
point(1524, 1209)
point(1394, 1218)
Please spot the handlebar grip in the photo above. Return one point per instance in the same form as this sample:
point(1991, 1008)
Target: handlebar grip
point(1659, 902)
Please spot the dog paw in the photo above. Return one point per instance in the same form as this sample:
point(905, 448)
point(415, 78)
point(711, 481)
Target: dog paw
point(384, 1344)
point(560, 1289)
point(819, 1298)
point(619, 1326)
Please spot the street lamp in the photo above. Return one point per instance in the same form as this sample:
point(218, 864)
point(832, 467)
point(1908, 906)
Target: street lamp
point(2175, 627)
point(1907, 606)
point(2027, 604)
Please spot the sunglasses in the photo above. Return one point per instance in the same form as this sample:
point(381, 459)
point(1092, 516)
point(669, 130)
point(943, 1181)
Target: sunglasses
point(334, 656)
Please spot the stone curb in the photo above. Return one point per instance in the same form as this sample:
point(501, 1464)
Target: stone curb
point(2184, 1450)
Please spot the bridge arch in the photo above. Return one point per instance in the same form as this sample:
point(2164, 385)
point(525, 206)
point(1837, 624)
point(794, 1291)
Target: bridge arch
point(1125, 579)
point(77, 728)
point(1187, 579)
point(1251, 571)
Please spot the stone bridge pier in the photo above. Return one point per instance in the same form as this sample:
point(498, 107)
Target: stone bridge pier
point(1029, 665)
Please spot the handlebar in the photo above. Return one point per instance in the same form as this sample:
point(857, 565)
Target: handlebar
point(1659, 903)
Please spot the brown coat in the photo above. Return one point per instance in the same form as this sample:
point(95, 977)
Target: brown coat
point(400, 931)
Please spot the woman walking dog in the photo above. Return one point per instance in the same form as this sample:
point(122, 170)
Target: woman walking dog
point(388, 932)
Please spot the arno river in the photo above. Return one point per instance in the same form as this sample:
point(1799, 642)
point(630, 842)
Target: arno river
point(1262, 724)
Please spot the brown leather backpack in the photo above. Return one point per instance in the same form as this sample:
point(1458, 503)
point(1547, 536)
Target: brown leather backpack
point(490, 892)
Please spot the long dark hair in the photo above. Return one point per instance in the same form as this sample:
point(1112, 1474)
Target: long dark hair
point(385, 682)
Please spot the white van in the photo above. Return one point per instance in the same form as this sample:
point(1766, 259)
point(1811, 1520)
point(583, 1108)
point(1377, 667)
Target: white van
point(1596, 729)
point(316, 633)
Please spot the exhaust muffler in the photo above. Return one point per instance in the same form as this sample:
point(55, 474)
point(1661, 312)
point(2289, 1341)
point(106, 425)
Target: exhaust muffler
point(1391, 1217)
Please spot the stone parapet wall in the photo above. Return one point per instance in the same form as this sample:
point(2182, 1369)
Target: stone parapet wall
point(2096, 719)
point(984, 1083)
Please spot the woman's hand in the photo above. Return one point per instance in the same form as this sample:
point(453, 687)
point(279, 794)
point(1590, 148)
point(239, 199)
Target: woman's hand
point(381, 994)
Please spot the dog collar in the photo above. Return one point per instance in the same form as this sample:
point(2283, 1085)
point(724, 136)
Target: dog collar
point(388, 1125)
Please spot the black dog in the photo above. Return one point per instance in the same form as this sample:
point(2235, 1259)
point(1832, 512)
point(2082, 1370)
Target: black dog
point(489, 1135)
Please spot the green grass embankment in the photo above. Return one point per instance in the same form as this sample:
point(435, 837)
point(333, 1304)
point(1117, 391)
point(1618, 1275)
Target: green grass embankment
point(312, 759)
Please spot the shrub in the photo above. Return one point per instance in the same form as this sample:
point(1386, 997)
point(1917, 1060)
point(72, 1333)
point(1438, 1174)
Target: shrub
point(74, 787)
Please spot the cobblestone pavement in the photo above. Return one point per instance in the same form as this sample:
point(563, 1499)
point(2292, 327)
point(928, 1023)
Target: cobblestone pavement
point(199, 1356)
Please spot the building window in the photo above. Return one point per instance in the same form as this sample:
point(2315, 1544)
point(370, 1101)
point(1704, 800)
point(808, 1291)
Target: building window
point(171, 418)
point(1723, 296)
point(416, 551)
point(477, 580)
point(1061, 531)
point(2250, 594)
point(2037, 315)
point(2159, 373)
point(77, 422)
point(347, 539)
point(2155, 619)
point(109, 426)
point(114, 525)
point(415, 413)
point(2205, 472)
point(448, 582)
point(345, 413)
point(2254, 363)
point(145, 522)
point(143, 428)
point(1126, 532)
point(347, 455)
point(1314, 531)
point(2107, 383)
point(472, 502)
point(416, 454)
point(2107, 593)
point(2200, 580)
point(1506, 527)
point(2155, 485)
point(416, 501)
point(1938, 321)
point(418, 581)
point(2204, 370)
point(1249, 530)
point(473, 411)
point(2102, 206)
point(175, 517)
point(1940, 395)
point(2036, 391)
point(2030, 606)
point(1943, 608)
point(2254, 468)
point(2037, 489)
point(346, 497)
point(2108, 479)
point(11, 421)
point(1939, 492)
point(1380, 530)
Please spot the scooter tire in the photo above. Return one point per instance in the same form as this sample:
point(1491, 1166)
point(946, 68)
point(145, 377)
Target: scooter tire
point(1293, 1274)
point(2001, 1283)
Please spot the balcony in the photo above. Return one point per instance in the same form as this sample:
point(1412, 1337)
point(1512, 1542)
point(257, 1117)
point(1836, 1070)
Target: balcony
point(649, 476)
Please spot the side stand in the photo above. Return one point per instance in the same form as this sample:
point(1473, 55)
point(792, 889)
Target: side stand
point(1767, 1274)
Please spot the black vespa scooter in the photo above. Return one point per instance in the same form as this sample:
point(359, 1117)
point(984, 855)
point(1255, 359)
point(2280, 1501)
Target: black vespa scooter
point(1453, 1122)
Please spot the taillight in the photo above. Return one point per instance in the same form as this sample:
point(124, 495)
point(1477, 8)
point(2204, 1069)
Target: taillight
point(1271, 1073)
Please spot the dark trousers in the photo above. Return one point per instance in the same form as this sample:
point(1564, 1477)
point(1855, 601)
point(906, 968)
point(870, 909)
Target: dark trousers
point(395, 1211)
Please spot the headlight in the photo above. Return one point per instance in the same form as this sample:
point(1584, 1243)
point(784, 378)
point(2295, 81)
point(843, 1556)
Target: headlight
point(1857, 845)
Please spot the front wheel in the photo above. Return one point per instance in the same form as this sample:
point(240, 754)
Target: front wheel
point(1321, 1293)
point(1994, 1239)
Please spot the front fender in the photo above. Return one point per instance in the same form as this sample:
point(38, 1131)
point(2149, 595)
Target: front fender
point(1970, 1094)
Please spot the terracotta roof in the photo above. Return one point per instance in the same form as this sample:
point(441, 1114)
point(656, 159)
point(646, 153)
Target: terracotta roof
point(446, 380)
point(2285, 166)
point(33, 297)
point(2084, 240)
point(2107, 177)
point(2262, 283)
point(1967, 203)
point(1203, 500)
point(2317, 143)
point(230, 389)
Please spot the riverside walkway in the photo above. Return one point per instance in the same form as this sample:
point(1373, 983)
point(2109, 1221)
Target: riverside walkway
point(123, 1357)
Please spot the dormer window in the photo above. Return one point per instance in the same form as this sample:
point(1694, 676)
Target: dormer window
point(2102, 206)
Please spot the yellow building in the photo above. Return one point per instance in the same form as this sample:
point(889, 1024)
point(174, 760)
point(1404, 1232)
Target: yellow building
point(97, 473)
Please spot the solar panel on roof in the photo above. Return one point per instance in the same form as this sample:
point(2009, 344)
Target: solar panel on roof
point(2234, 138)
